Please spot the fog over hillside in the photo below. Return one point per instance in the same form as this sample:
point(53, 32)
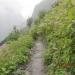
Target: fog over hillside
point(14, 12)
point(8, 19)
point(44, 5)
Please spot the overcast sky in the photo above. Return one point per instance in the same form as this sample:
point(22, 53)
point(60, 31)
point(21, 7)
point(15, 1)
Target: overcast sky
point(25, 7)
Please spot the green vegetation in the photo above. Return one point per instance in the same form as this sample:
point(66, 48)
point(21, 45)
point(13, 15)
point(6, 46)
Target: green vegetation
point(14, 53)
point(57, 28)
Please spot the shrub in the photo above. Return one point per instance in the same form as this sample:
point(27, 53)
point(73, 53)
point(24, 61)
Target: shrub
point(14, 53)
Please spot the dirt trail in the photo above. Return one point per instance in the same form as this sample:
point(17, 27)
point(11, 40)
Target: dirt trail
point(36, 66)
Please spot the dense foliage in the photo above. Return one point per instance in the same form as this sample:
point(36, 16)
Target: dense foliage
point(14, 53)
point(57, 27)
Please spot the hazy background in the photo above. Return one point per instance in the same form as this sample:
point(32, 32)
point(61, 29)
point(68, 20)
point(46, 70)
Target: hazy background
point(14, 12)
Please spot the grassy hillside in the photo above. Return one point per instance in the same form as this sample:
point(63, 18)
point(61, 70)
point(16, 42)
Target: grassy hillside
point(57, 27)
point(14, 53)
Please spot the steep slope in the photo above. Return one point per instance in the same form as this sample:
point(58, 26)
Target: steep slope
point(45, 5)
point(57, 27)
point(15, 53)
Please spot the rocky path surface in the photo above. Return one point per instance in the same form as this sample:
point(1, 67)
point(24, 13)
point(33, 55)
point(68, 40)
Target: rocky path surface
point(36, 66)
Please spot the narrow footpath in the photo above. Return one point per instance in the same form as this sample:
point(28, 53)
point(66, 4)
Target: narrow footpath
point(36, 65)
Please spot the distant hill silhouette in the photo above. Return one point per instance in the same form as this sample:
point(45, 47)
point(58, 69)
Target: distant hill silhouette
point(45, 5)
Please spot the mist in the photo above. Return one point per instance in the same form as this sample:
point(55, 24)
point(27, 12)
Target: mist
point(14, 13)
